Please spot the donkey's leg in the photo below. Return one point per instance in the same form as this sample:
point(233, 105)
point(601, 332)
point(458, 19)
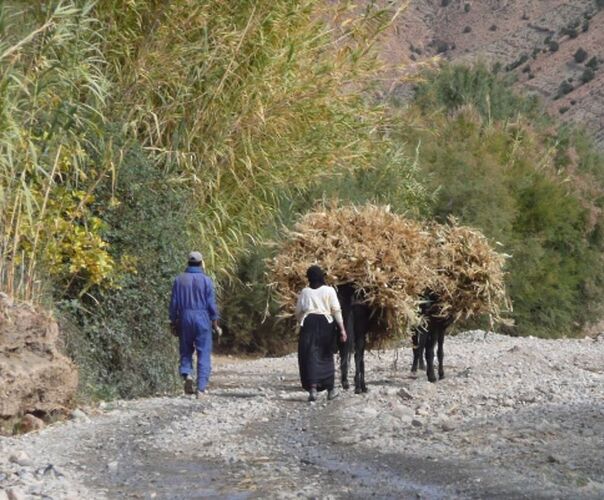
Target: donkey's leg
point(416, 352)
point(359, 361)
point(422, 335)
point(440, 353)
point(348, 346)
point(344, 350)
point(430, 342)
point(422, 347)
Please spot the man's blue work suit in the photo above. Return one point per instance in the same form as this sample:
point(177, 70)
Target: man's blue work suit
point(192, 310)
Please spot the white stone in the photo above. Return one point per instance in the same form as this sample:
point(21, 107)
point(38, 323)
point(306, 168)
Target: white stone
point(20, 458)
point(79, 415)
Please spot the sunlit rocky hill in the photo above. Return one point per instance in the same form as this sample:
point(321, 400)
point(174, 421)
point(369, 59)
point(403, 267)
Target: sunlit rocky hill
point(555, 48)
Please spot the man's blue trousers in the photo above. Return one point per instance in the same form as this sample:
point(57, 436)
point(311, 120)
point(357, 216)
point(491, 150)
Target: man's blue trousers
point(195, 333)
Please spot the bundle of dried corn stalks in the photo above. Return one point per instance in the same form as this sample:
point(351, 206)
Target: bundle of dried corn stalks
point(393, 261)
point(470, 276)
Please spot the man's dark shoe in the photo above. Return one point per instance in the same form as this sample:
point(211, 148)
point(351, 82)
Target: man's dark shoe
point(189, 389)
point(332, 394)
point(312, 395)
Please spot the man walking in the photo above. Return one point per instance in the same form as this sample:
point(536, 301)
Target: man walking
point(193, 313)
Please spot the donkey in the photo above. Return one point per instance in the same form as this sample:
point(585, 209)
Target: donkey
point(426, 337)
point(357, 317)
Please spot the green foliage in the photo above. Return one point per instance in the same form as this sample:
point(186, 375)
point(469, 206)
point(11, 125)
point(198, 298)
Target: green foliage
point(570, 30)
point(539, 195)
point(455, 86)
point(592, 63)
point(565, 88)
point(580, 55)
point(518, 62)
point(122, 344)
point(588, 75)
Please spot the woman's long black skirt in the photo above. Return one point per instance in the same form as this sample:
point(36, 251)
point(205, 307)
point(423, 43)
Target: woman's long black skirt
point(315, 352)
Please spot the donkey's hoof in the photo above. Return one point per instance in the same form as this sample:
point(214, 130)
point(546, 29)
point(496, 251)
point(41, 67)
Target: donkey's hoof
point(358, 390)
point(431, 378)
point(345, 385)
point(441, 376)
point(364, 389)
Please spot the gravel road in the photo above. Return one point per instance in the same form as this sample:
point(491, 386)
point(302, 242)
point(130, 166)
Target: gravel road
point(514, 418)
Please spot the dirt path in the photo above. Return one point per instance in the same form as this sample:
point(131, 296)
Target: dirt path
point(514, 418)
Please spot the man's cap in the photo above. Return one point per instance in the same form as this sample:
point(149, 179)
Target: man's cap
point(195, 257)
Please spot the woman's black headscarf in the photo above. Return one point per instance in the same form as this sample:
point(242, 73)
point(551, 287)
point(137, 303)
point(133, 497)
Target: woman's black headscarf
point(316, 276)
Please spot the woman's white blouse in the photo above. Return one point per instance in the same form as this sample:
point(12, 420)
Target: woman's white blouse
point(322, 300)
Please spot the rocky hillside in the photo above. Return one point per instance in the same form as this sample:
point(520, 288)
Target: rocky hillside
point(555, 48)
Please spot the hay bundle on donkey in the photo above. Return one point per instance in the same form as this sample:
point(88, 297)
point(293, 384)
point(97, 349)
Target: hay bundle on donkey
point(469, 273)
point(381, 254)
point(393, 260)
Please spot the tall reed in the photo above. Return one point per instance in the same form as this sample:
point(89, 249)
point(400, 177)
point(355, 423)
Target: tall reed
point(52, 98)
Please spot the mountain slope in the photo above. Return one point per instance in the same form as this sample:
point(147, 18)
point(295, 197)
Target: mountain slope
point(534, 39)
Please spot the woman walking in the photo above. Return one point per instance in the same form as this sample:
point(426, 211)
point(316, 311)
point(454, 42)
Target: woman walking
point(316, 310)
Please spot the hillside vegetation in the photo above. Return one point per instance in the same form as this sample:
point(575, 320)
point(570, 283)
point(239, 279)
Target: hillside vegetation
point(133, 131)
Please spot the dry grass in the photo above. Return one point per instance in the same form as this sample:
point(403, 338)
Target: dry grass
point(393, 260)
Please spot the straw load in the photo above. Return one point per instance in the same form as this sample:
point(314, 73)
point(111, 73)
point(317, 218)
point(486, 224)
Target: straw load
point(393, 261)
point(470, 276)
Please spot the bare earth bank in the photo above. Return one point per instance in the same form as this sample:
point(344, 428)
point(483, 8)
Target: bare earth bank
point(514, 418)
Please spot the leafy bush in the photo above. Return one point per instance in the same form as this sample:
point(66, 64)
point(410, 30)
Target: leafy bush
point(580, 55)
point(553, 46)
point(121, 341)
point(587, 75)
point(455, 86)
point(592, 63)
point(518, 62)
point(571, 31)
point(440, 46)
point(565, 88)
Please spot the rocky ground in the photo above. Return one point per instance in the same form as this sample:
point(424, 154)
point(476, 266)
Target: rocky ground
point(513, 418)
